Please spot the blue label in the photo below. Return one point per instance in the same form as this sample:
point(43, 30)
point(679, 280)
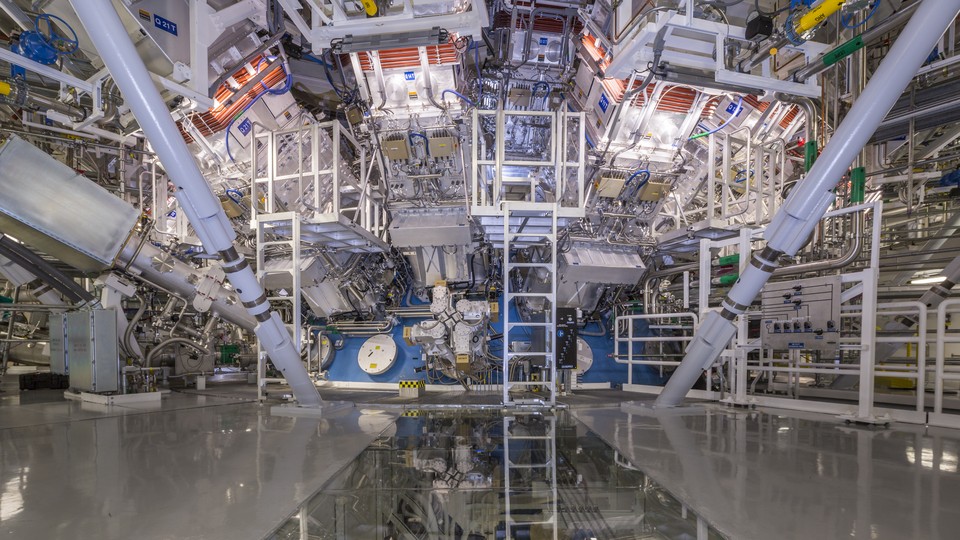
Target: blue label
point(732, 108)
point(543, 41)
point(245, 126)
point(409, 75)
point(604, 102)
point(794, 345)
point(164, 24)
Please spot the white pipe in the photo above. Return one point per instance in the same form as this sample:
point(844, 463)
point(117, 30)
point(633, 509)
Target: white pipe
point(807, 203)
point(201, 207)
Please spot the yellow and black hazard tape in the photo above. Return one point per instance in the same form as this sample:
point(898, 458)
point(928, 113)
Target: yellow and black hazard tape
point(414, 412)
point(413, 384)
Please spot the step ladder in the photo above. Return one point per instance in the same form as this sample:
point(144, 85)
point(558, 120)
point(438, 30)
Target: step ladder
point(530, 476)
point(289, 271)
point(517, 236)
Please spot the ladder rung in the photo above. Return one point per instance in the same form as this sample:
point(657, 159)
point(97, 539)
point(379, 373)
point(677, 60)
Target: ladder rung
point(529, 465)
point(277, 243)
point(529, 265)
point(544, 235)
point(535, 353)
point(528, 295)
point(528, 383)
point(539, 324)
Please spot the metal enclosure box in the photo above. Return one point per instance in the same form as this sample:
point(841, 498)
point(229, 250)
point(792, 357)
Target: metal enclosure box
point(610, 186)
point(442, 146)
point(58, 350)
point(802, 314)
point(91, 339)
point(567, 333)
point(396, 148)
point(48, 206)
point(520, 96)
point(431, 227)
point(589, 263)
point(652, 191)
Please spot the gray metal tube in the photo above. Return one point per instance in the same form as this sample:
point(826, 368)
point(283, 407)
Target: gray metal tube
point(850, 255)
point(809, 113)
point(179, 278)
point(201, 207)
point(792, 225)
point(745, 66)
point(168, 342)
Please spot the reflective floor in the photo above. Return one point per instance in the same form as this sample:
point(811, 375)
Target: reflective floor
point(220, 466)
point(196, 467)
point(473, 476)
point(770, 473)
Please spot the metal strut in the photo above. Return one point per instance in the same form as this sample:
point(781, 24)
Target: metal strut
point(201, 207)
point(791, 226)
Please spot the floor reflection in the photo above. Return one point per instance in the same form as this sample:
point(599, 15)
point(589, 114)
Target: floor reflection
point(479, 475)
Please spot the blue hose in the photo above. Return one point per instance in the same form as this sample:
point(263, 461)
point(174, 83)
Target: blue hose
point(845, 20)
point(723, 125)
point(458, 94)
point(426, 141)
point(640, 184)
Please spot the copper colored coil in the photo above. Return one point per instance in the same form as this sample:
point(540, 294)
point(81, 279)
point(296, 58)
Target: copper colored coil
point(789, 117)
point(218, 118)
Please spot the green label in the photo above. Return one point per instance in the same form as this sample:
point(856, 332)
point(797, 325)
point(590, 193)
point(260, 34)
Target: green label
point(843, 51)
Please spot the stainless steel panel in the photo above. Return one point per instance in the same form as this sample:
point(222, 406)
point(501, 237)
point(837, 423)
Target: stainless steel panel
point(586, 263)
point(92, 350)
point(431, 227)
point(48, 206)
point(58, 352)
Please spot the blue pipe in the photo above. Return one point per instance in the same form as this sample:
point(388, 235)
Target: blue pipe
point(458, 94)
point(426, 141)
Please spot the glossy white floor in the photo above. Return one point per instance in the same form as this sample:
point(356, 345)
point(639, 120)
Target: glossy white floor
point(196, 467)
point(769, 473)
point(219, 467)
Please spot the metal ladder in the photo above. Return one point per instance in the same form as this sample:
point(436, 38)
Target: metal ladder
point(288, 221)
point(541, 469)
point(516, 235)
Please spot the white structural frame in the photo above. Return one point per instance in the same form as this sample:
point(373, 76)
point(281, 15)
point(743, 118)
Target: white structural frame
point(325, 28)
point(682, 49)
point(486, 172)
point(942, 371)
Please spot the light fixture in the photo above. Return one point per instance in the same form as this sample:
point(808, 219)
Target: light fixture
point(927, 280)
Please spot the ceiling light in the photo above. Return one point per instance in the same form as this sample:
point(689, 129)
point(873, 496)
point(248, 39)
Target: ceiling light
point(927, 280)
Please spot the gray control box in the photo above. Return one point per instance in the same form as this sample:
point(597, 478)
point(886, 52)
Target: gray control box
point(91, 345)
point(803, 314)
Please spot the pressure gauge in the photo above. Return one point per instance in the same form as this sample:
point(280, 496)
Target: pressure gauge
point(377, 354)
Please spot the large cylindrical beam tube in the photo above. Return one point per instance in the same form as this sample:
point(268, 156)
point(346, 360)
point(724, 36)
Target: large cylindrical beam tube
point(154, 266)
point(791, 227)
point(197, 201)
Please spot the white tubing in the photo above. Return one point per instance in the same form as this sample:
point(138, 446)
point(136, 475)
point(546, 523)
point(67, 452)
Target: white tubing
point(201, 207)
point(793, 223)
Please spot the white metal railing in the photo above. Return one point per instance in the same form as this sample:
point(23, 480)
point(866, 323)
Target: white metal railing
point(943, 372)
point(564, 160)
point(625, 324)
